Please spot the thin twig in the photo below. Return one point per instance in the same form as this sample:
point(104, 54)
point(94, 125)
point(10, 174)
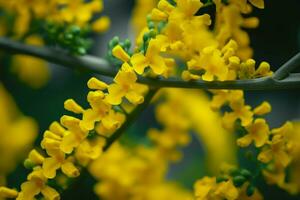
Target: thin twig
point(280, 80)
point(288, 67)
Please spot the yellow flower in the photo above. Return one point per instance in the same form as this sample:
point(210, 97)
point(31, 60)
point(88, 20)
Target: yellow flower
point(125, 86)
point(257, 132)
point(89, 149)
point(280, 146)
point(226, 190)
point(99, 109)
point(120, 53)
point(72, 106)
point(37, 183)
point(277, 151)
point(240, 111)
point(151, 59)
point(220, 97)
point(203, 187)
point(212, 62)
point(208, 189)
point(101, 24)
point(7, 192)
point(262, 109)
point(73, 136)
point(57, 160)
point(31, 70)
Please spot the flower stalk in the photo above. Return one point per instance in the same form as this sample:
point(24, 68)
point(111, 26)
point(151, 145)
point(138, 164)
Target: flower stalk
point(282, 78)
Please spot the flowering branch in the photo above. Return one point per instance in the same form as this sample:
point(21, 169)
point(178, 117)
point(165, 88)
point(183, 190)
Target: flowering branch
point(282, 79)
point(130, 118)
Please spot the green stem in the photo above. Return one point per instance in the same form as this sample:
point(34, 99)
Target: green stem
point(287, 68)
point(91, 64)
point(130, 118)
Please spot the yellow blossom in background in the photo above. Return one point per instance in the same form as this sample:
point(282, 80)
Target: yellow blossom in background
point(23, 16)
point(30, 70)
point(14, 141)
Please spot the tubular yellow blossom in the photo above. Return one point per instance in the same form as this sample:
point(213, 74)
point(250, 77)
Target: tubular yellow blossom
point(257, 132)
point(8, 193)
point(120, 53)
point(157, 15)
point(72, 106)
point(101, 24)
point(56, 128)
point(151, 59)
point(96, 84)
point(262, 109)
point(35, 157)
point(125, 86)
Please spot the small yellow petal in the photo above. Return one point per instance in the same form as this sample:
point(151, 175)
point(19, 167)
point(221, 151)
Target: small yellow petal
point(101, 24)
point(115, 94)
point(244, 141)
point(258, 3)
point(56, 128)
point(70, 170)
point(50, 165)
point(8, 193)
point(50, 193)
point(157, 15)
point(262, 109)
point(120, 53)
point(139, 62)
point(35, 157)
point(72, 106)
point(96, 84)
point(134, 97)
point(69, 121)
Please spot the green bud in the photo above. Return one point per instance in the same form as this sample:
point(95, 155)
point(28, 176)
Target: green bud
point(152, 33)
point(146, 36)
point(148, 18)
point(151, 25)
point(238, 181)
point(250, 190)
point(28, 164)
point(75, 29)
point(160, 26)
point(246, 173)
point(234, 172)
point(115, 41)
point(68, 36)
point(127, 43)
point(81, 51)
point(220, 179)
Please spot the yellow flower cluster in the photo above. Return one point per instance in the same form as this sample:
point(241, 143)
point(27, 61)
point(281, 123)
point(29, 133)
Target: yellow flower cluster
point(203, 50)
point(74, 142)
point(76, 12)
point(223, 54)
point(14, 141)
point(133, 172)
point(26, 14)
point(209, 189)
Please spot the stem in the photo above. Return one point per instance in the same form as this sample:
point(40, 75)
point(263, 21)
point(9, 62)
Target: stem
point(130, 118)
point(288, 67)
point(100, 66)
point(84, 63)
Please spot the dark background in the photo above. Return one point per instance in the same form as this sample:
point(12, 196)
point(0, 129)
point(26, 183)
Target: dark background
point(276, 40)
